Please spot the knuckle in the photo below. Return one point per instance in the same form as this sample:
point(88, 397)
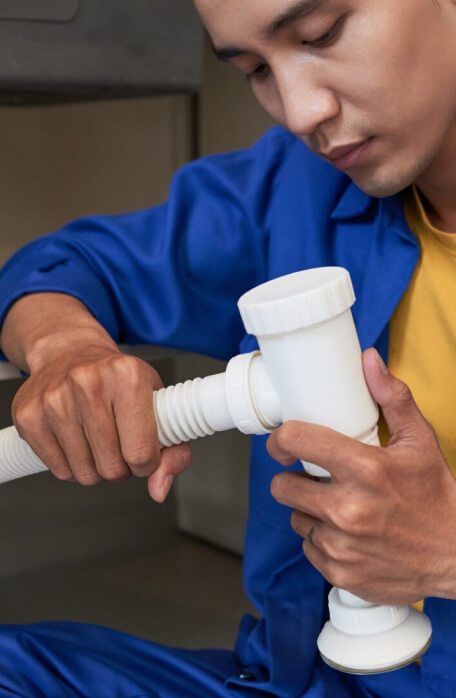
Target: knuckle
point(157, 382)
point(276, 487)
point(85, 377)
point(372, 468)
point(82, 464)
point(287, 435)
point(114, 472)
point(340, 577)
point(54, 401)
point(142, 456)
point(295, 522)
point(83, 469)
point(338, 550)
point(121, 477)
point(88, 478)
point(128, 369)
point(402, 397)
point(300, 523)
point(351, 517)
point(61, 472)
point(429, 436)
point(403, 392)
point(185, 457)
point(25, 416)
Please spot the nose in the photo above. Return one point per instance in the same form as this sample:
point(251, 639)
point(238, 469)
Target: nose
point(305, 103)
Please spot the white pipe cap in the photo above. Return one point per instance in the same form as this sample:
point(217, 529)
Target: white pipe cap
point(297, 300)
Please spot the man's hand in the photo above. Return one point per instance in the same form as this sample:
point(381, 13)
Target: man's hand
point(383, 527)
point(87, 409)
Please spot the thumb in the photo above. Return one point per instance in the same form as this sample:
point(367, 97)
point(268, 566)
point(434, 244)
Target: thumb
point(400, 411)
point(174, 460)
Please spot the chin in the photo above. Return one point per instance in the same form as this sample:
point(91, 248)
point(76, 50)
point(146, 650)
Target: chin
point(381, 187)
point(394, 177)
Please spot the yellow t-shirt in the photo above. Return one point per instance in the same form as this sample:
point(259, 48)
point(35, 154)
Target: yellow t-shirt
point(422, 346)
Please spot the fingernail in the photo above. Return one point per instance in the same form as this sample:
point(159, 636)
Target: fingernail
point(382, 365)
point(166, 486)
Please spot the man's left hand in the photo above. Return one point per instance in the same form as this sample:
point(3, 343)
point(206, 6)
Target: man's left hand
point(383, 526)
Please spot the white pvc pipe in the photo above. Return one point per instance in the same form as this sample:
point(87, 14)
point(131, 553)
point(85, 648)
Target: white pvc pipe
point(242, 398)
point(16, 457)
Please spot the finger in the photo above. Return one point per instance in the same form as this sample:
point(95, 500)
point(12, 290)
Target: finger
point(30, 422)
point(89, 403)
point(87, 435)
point(48, 449)
point(74, 445)
point(137, 430)
point(399, 409)
point(317, 444)
point(53, 456)
point(174, 460)
point(327, 567)
point(333, 543)
point(103, 444)
point(61, 418)
point(302, 523)
point(297, 491)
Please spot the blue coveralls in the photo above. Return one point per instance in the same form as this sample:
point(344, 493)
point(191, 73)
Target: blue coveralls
point(171, 275)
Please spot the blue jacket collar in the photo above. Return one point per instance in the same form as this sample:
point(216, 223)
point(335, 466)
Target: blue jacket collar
point(387, 273)
point(352, 203)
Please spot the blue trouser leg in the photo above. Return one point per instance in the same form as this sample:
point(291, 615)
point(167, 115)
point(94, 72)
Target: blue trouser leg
point(75, 660)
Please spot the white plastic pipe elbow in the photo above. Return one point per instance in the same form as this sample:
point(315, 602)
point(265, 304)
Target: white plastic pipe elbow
point(242, 397)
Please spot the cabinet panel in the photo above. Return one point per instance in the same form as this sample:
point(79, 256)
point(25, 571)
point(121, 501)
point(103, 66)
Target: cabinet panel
point(79, 49)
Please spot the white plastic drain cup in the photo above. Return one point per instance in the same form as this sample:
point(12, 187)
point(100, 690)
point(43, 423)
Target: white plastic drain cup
point(312, 356)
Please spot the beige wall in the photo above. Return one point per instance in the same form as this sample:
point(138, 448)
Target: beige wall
point(63, 161)
point(230, 117)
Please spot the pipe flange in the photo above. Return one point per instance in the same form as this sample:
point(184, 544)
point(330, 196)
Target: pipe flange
point(238, 395)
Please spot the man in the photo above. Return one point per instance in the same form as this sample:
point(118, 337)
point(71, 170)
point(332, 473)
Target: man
point(364, 91)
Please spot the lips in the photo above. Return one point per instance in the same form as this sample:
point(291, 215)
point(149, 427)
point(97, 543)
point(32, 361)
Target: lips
point(339, 152)
point(345, 157)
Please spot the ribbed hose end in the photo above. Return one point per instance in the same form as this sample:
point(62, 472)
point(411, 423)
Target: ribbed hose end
point(16, 457)
point(178, 413)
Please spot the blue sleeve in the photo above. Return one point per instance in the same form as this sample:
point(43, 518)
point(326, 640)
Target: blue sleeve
point(169, 275)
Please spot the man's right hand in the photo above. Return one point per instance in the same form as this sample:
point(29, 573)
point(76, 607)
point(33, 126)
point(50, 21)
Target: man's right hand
point(87, 409)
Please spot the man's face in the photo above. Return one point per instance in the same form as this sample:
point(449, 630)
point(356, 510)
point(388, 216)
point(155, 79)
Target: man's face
point(378, 74)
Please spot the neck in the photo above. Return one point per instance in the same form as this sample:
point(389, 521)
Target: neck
point(437, 184)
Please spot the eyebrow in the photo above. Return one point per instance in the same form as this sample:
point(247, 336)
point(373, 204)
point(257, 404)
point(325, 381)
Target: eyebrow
point(298, 10)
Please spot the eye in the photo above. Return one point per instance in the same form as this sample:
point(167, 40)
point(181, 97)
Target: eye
point(259, 72)
point(328, 37)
